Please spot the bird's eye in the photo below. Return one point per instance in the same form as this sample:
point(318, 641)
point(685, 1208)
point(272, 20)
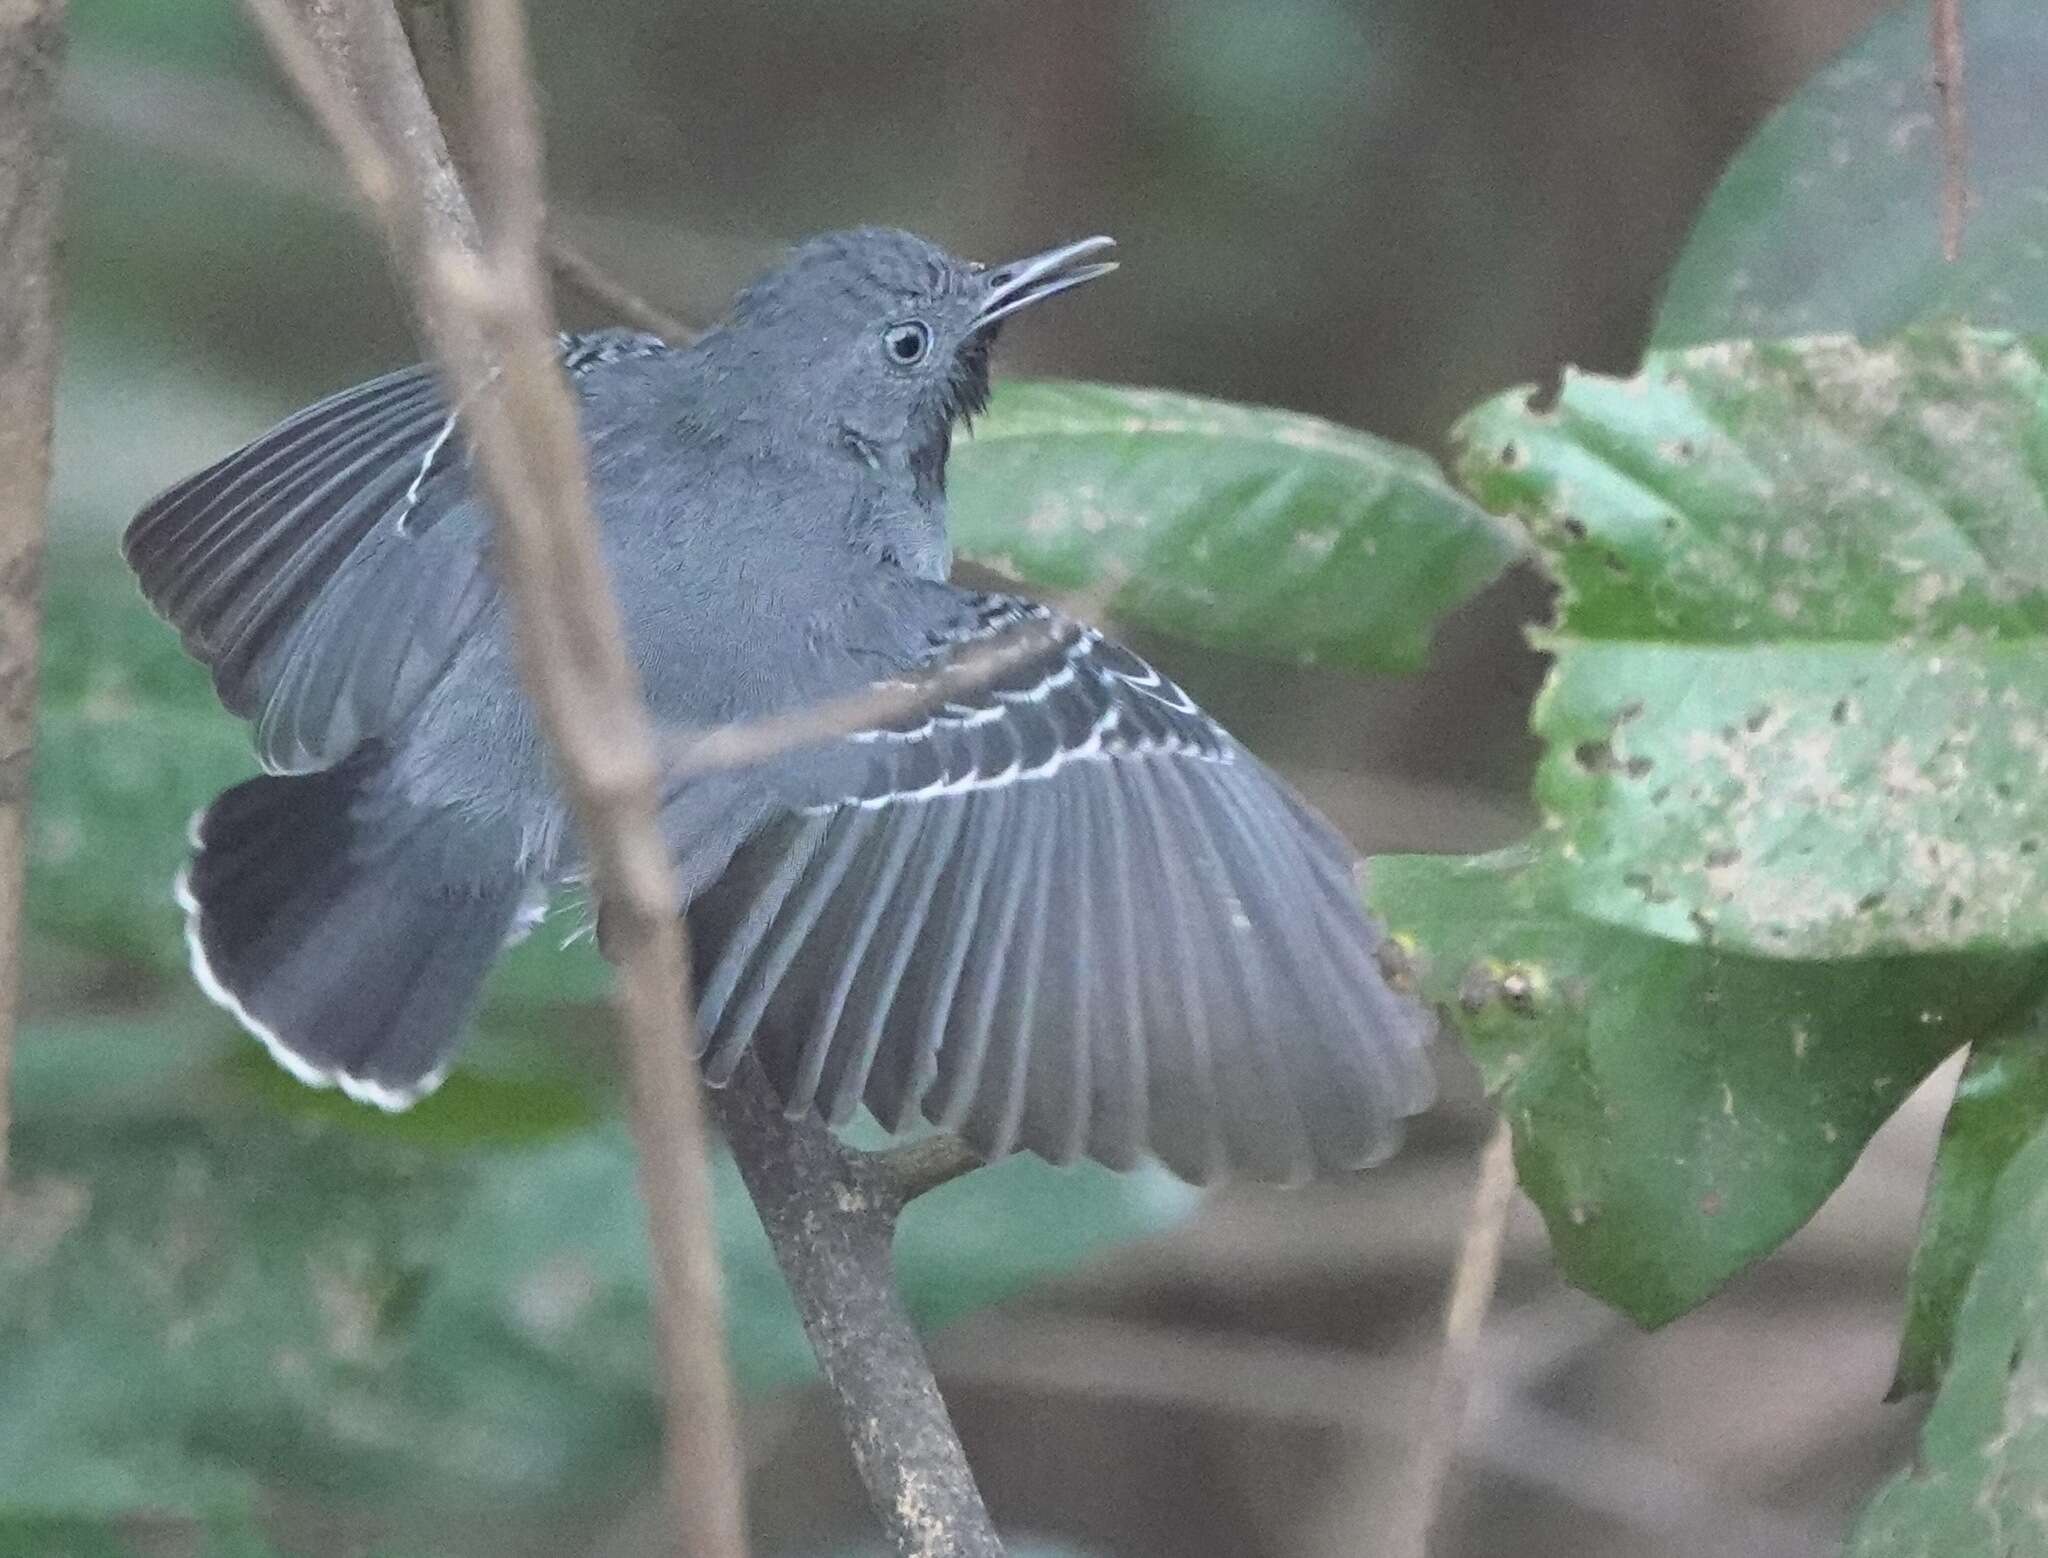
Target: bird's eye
point(907, 343)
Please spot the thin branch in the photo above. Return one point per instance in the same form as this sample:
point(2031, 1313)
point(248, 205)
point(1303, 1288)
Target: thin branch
point(370, 63)
point(739, 745)
point(576, 662)
point(430, 34)
point(482, 301)
point(1947, 43)
point(832, 1218)
point(576, 269)
point(430, 28)
point(1472, 1287)
point(342, 119)
point(31, 54)
point(912, 1170)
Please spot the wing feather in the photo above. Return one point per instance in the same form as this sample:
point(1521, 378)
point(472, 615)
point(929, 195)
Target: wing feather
point(964, 1049)
point(1264, 1125)
point(991, 1112)
point(1065, 913)
point(880, 983)
point(905, 1068)
point(1182, 1103)
point(865, 900)
point(327, 572)
point(1122, 1111)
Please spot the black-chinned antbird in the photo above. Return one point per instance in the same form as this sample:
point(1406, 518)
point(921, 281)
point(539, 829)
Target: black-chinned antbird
point(1066, 912)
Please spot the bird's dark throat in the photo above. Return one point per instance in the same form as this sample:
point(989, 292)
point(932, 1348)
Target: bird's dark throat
point(962, 395)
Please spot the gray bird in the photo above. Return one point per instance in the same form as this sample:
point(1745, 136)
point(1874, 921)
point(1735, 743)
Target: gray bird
point(1067, 913)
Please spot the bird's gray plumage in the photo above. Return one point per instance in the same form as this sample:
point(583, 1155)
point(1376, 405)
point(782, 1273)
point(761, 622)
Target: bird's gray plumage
point(1064, 912)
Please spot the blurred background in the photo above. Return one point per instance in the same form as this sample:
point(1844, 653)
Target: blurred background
point(1376, 210)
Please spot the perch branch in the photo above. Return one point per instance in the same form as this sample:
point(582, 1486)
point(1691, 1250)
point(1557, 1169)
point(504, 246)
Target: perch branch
point(831, 1215)
point(1472, 1287)
point(481, 296)
point(910, 1171)
point(31, 53)
point(1948, 92)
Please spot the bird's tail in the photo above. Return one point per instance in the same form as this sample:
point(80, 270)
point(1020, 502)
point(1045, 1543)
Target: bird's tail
point(343, 926)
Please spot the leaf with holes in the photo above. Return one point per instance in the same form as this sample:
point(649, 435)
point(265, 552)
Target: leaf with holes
point(1243, 527)
point(1795, 745)
point(1678, 1111)
point(1800, 704)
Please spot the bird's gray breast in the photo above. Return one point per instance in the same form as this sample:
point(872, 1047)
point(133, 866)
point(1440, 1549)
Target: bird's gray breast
point(749, 584)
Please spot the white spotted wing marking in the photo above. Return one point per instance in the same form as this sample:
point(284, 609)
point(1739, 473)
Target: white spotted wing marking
point(593, 349)
point(411, 500)
point(1099, 703)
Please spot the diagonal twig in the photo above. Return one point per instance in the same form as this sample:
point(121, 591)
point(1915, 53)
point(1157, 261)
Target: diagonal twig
point(481, 297)
point(919, 1167)
point(1472, 1285)
point(577, 269)
point(739, 745)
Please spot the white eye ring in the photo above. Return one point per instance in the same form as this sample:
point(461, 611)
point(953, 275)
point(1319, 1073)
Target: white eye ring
point(907, 344)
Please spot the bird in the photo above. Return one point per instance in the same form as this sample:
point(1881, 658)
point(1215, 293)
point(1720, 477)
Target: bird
point(1063, 912)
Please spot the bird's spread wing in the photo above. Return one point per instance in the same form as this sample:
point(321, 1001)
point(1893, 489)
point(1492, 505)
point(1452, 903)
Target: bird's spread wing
point(1065, 912)
point(312, 570)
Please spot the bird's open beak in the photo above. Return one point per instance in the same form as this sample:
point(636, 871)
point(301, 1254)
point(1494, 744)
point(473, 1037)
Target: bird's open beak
point(1022, 282)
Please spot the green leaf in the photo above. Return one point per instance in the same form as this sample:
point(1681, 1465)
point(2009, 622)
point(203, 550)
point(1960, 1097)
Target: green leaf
point(1829, 219)
point(1800, 705)
point(1794, 739)
point(1678, 1111)
point(1243, 527)
point(204, 1295)
point(1980, 1482)
point(2000, 1105)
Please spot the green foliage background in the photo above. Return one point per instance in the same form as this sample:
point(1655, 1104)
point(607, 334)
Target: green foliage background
point(1794, 791)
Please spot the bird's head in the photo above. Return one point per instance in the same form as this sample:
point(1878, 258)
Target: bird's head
point(883, 337)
